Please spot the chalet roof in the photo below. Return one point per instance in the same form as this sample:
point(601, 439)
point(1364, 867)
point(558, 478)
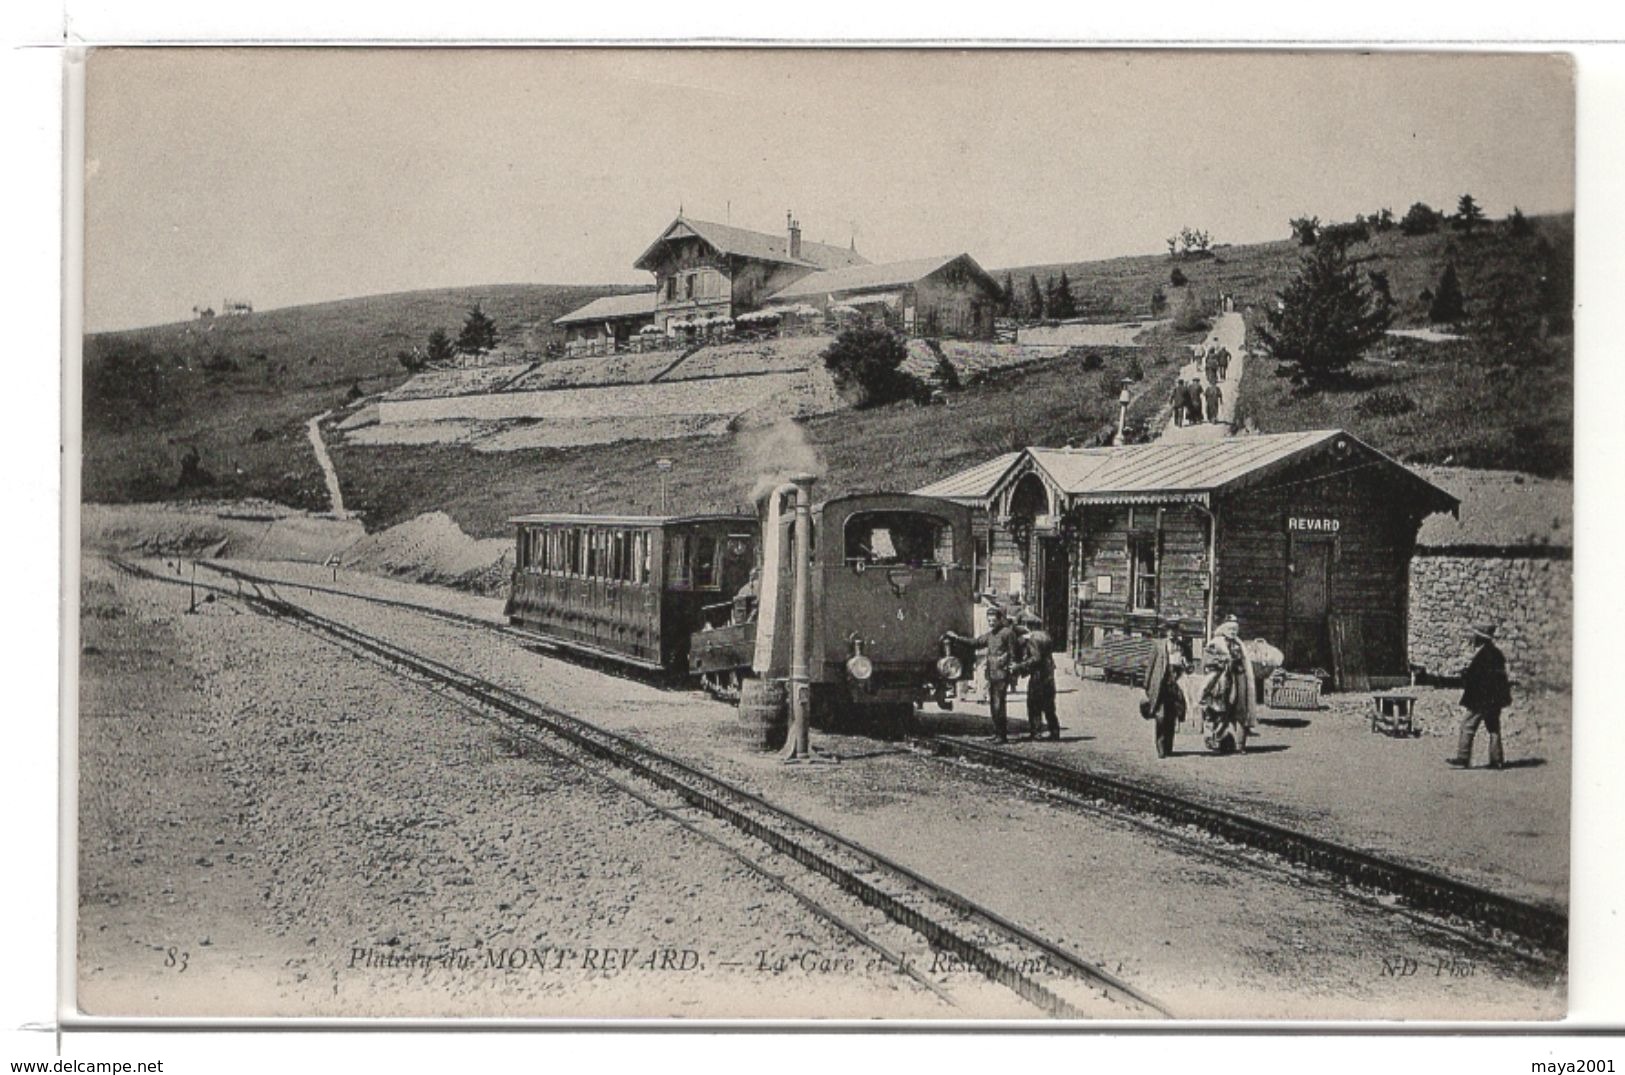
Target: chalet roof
point(971, 486)
point(611, 308)
point(870, 277)
point(1152, 473)
point(1500, 509)
point(756, 244)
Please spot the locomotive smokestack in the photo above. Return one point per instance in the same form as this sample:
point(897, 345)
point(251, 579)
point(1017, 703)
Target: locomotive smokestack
point(796, 745)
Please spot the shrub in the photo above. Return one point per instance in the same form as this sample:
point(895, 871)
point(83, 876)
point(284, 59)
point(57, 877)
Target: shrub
point(1177, 278)
point(1385, 404)
point(1305, 229)
point(1190, 317)
point(865, 362)
point(1421, 219)
point(1345, 234)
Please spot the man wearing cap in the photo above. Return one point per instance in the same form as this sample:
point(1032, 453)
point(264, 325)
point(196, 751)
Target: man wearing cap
point(1002, 643)
point(1485, 692)
point(1038, 665)
point(1164, 701)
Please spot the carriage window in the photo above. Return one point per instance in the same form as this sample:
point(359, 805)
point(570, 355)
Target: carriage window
point(578, 552)
point(1142, 558)
point(705, 561)
point(677, 561)
point(641, 560)
point(898, 537)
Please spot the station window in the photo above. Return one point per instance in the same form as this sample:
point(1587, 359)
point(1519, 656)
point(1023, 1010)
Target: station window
point(1143, 567)
point(877, 538)
point(983, 575)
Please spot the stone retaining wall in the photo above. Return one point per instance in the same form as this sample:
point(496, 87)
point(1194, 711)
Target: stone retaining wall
point(1530, 598)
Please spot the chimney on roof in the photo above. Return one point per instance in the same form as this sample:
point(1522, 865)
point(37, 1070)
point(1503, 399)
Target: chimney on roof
point(794, 226)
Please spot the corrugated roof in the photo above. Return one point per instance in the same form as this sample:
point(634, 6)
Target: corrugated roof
point(611, 307)
point(1500, 509)
point(971, 485)
point(760, 245)
point(862, 278)
point(1186, 468)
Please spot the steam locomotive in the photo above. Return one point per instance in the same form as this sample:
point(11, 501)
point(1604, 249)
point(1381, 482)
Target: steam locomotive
point(718, 597)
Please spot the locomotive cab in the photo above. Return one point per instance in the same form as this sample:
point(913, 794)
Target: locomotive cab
point(891, 574)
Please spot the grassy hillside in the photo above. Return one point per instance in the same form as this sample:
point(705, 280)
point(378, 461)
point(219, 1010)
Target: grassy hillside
point(897, 447)
point(240, 389)
point(1254, 273)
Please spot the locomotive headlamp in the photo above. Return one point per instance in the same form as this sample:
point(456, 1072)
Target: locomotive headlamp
point(859, 667)
point(949, 667)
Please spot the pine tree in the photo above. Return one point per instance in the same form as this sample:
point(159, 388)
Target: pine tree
point(1448, 306)
point(1325, 319)
point(1035, 299)
point(1517, 223)
point(1468, 214)
point(1007, 297)
point(1062, 304)
point(440, 348)
point(479, 333)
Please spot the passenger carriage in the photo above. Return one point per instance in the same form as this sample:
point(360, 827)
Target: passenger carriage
point(630, 588)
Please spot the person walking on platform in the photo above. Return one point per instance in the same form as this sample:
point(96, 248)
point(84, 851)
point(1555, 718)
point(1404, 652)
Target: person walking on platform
point(1177, 398)
point(1224, 363)
point(1038, 665)
point(1001, 642)
point(1164, 701)
point(1213, 396)
point(1486, 691)
point(1211, 365)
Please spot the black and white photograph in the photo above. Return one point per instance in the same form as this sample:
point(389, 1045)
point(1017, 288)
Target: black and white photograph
point(866, 535)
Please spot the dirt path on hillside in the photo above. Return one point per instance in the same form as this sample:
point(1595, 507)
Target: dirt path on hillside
point(335, 497)
point(1229, 332)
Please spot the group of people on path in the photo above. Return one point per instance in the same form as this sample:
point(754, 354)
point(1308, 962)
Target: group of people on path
point(1197, 399)
point(1017, 646)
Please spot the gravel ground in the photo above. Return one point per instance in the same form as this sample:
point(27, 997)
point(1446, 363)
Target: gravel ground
point(1180, 918)
point(268, 827)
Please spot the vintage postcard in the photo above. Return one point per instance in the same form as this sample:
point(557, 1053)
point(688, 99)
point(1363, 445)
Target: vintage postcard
point(842, 534)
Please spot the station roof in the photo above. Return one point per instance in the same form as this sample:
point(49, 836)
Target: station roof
point(972, 486)
point(1153, 473)
point(612, 308)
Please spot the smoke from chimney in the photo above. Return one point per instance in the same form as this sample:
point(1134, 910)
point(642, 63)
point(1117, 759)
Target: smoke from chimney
point(773, 453)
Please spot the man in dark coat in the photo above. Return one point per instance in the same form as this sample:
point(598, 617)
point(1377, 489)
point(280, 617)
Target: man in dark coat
point(1215, 398)
point(1193, 402)
point(1038, 665)
point(1177, 398)
point(1486, 691)
point(1164, 702)
point(1003, 646)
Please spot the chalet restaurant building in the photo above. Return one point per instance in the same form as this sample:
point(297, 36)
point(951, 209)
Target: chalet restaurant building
point(1306, 538)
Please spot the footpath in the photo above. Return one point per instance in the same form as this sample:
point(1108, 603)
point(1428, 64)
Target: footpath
point(1229, 332)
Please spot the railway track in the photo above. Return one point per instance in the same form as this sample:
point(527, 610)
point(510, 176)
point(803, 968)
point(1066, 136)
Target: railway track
point(1540, 927)
point(962, 936)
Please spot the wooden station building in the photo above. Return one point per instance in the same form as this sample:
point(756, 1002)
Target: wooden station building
point(1306, 538)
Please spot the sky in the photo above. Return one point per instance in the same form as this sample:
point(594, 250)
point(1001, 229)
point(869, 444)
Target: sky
point(286, 176)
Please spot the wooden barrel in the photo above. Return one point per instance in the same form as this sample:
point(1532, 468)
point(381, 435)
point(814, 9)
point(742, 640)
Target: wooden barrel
point(763, 718)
